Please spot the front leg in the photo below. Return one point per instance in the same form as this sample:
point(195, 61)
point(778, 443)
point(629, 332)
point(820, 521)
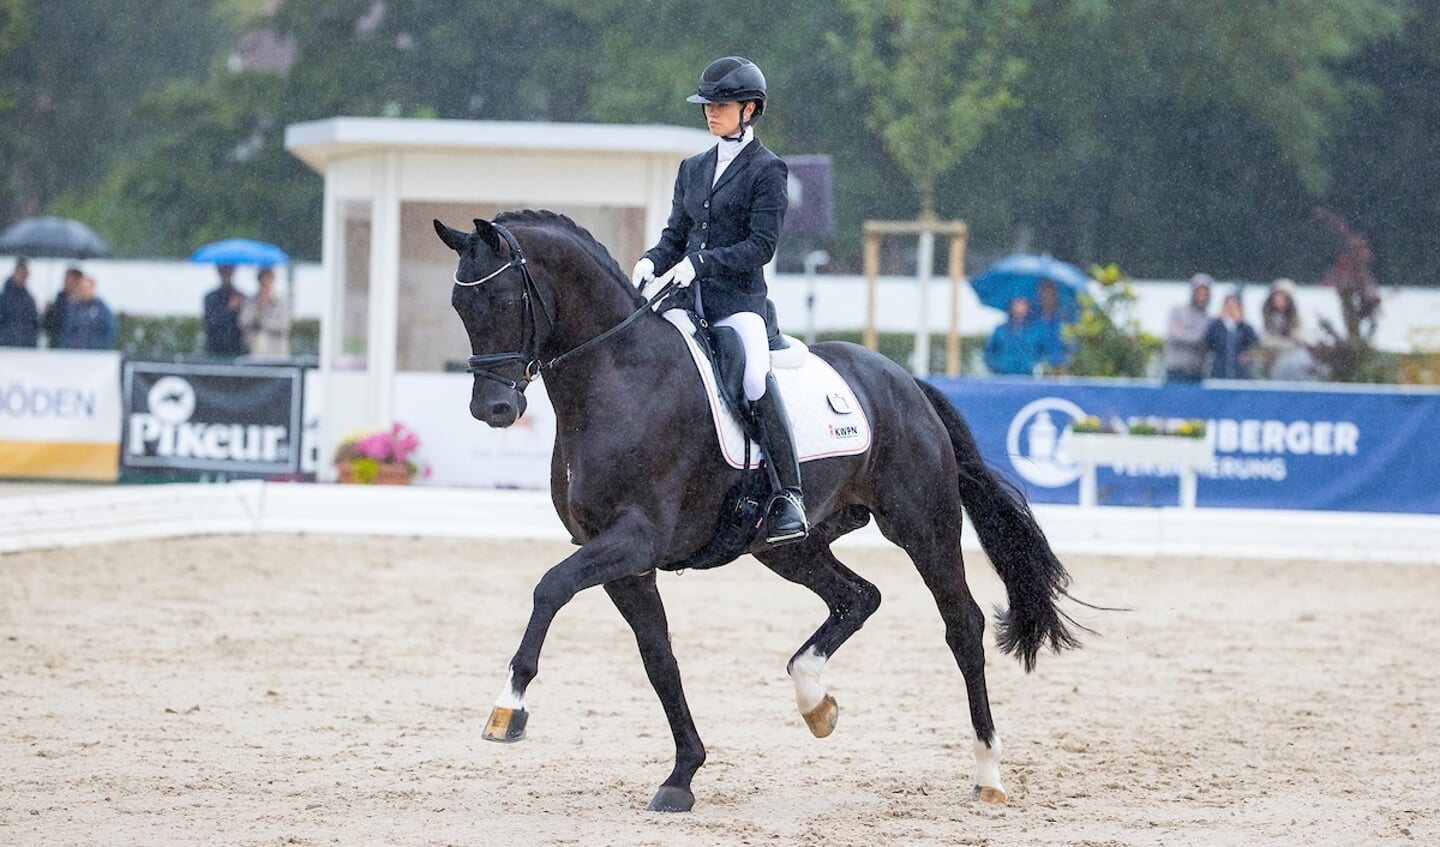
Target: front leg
point(626, 549)
point(639, 602)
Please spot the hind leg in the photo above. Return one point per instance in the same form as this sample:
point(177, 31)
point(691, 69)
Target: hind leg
point(850, 600)
point(930, 535)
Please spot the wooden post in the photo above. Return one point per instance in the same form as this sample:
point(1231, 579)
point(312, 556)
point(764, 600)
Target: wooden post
point(958, 232)
point(957, 272)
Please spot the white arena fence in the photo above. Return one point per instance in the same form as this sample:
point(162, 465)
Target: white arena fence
point(102, 515)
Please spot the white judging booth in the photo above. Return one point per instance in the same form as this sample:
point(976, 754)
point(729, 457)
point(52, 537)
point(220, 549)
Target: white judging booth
point(388, 333)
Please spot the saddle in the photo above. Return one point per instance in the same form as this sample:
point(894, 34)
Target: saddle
point(719, 354)
point(721, 345)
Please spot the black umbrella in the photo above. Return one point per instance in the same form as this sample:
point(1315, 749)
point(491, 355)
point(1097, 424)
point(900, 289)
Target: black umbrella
point(53, 238)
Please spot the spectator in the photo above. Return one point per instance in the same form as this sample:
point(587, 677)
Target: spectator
point(265, 318)
point(89, 323)
point(1185, 343)
point(1230, 340)
point(1283, 352)
point(223, 336)
point(54, 319)
point(19, 320)
point(1017, 346)
point(1052, 322)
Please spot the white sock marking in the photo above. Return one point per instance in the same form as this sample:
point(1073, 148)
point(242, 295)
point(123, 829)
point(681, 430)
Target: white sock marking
point(987, 762)
point(805, 673)
point(510, 698)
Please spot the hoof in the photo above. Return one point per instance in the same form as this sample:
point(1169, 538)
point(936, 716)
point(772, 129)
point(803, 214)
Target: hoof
point(990, 794)
point(506, 725)
point(822, 718)
point(671, 799)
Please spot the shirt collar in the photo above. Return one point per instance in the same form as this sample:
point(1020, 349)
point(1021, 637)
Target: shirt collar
point(727, 150)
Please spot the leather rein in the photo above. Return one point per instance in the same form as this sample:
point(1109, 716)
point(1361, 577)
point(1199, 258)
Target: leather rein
point(528, 357)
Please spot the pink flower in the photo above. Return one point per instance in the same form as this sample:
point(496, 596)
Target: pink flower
point(375, 447)
point(395, 446)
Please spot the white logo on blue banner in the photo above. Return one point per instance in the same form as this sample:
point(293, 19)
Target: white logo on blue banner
point(1038, 442)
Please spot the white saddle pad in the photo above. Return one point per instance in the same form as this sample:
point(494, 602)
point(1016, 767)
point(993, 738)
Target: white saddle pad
point(826, 418)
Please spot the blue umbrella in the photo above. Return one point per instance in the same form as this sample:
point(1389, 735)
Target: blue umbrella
point(240, 251)
point(1019, 275)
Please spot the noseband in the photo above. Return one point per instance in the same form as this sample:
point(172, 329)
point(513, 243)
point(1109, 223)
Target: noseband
point(528, 357)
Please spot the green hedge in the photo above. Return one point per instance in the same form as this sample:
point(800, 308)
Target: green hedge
point(145, 336)
point(899, 347)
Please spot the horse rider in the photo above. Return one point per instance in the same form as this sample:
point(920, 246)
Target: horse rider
point(724, 224)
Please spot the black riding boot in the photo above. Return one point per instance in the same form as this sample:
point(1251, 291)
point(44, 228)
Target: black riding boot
point(785, 515)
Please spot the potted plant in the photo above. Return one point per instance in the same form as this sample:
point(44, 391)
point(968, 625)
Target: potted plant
point(379, 457)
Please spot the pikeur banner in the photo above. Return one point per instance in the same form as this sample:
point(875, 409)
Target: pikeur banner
point(232, 419)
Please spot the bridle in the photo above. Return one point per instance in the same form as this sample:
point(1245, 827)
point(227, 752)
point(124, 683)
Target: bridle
point(487, 365)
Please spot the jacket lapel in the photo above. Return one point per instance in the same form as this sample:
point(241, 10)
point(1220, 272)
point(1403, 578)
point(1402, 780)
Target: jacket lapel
point(707, 168)
point(738, 164)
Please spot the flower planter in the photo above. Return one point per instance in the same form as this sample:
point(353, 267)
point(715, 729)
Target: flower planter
point(379, 457)
point(1186, 455)
point(385, 474)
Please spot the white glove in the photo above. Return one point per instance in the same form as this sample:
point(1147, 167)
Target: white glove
point(682, 274)
point(652, 288)
point(643, 273)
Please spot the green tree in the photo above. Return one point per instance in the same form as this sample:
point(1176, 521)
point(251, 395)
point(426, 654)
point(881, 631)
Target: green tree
point(74, 80)
point(1387, 161)
point(1175, 135)
point(218, 170)
point(938, 74)
point(16, 18)
point(1166, 135)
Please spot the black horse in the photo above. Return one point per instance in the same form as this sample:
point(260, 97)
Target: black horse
point(639, 483)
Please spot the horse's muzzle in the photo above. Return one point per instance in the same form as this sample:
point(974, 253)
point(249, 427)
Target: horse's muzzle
point(498, 412)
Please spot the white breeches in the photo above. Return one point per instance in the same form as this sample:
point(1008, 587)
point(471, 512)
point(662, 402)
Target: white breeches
point(756, 341)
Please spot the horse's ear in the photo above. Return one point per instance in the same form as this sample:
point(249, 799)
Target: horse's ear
point(486, 230)
point(453, 238)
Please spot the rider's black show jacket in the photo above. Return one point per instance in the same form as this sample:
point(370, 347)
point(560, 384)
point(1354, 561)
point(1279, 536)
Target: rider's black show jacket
point(729, 231)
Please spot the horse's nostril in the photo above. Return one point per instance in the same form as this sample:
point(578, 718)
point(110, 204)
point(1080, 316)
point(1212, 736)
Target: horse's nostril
point(501, 411)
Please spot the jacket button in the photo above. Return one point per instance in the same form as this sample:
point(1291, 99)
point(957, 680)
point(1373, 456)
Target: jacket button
point(704, 224)
point(702, 245)
point(707, 204)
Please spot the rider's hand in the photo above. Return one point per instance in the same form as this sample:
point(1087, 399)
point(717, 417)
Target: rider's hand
point(652, 288)
point(682, 274)
point(643, 273)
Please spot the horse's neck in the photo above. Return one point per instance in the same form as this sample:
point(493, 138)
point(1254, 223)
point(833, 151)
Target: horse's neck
point(603, 380)
point(609, 382)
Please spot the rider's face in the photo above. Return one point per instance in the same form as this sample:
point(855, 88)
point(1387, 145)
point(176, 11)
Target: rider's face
point(724, 118)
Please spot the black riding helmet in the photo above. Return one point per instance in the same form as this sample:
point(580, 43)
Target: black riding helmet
point(733, 79)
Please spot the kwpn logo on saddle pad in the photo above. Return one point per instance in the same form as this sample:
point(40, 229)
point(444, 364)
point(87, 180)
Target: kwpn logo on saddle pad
point(824, 413)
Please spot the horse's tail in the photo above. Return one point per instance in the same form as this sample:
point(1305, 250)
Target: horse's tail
point(1034, 579)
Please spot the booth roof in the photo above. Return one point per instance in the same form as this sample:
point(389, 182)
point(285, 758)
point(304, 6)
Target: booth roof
point(317, 142)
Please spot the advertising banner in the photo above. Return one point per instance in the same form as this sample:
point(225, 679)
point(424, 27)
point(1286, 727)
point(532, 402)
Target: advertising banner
point(1335, 448)
point(242, 420)
point(59, 414)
